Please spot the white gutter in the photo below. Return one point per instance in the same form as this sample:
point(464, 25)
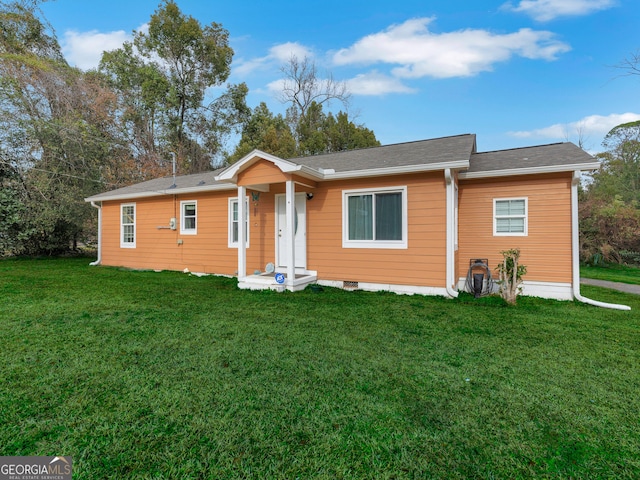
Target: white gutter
point(99, 259)
point(400, 170)
point(157, 193)
point(528, 170)
point(575, 250)
point(450, 206)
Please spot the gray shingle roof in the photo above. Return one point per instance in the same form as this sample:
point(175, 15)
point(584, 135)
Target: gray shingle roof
point(460, 148)
point(200, 181)
point(552, 155)
point(423, 152)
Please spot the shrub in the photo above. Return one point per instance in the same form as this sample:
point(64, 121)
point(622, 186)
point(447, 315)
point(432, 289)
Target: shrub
point(510, 275)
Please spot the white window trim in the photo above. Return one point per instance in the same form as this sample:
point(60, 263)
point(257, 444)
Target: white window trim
point(231, 243)
point(183, 229)
point(526, 218)
point(124, 244)
point(397, 244)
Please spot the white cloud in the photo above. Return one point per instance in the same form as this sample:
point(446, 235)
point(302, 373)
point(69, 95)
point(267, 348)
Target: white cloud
point(421, 53)
point(285, 51)
point(84, 49)
point(276, 87)
point(279, 54)
point(588, 127)
point(375, 83)
point(545, 10)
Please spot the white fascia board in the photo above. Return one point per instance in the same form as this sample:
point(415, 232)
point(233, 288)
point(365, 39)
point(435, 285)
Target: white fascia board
point(385, 171)
point(230, 174)
point(158, 193)
point(310, 173)
point(529, 171)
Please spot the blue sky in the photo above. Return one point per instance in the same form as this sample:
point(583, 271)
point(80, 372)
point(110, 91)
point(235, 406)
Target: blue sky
point(516, 73)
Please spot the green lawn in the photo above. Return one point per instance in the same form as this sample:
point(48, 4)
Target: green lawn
point(166, 375)
point(612, 273)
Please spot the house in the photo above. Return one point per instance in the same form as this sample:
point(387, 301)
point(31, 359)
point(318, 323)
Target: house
point(407, 218)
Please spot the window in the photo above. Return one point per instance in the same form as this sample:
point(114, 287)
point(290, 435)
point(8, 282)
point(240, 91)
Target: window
point(233, 222)
point(188, 215)
point(510, 216)
point(375, 218)
point(128, 225)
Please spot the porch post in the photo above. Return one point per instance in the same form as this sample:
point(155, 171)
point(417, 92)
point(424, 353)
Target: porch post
point(242, 241)
point(291, 234)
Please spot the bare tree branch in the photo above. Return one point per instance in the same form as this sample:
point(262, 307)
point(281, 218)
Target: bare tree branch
point(302, 86)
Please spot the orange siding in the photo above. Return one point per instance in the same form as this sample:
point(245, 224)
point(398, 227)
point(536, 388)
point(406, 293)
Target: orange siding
point(207, 251)
point(422, 263)
point(261, 172)
point(546, 250)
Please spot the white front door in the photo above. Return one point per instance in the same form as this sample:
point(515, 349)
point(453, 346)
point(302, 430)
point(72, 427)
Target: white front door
point(300, 226)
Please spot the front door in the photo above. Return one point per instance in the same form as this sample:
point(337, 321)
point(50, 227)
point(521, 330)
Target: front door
point(300, 226)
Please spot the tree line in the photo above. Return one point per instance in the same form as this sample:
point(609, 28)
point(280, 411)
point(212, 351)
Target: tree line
point(66, 134)
point(609, 206)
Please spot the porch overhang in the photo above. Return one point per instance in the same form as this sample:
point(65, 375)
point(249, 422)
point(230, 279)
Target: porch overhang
point(230, 175)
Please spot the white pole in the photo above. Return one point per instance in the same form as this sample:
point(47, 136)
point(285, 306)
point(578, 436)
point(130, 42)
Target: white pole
point(242, 240)
point(291, 234)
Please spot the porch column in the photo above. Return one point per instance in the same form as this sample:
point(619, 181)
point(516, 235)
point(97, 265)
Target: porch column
point(291, 234)
point(242, 240)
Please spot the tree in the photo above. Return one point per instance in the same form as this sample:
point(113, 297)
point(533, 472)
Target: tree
point(267, 132)
point(302, 87)
point(619, 173)
point(343, 134)
point(609, 207)
point(631, 64)
point(58, 137)
point(162, 78)
point(316, 132)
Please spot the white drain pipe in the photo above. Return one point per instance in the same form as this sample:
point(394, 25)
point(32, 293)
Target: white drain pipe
point(99, 207)
point(450, 247)
point(575, 250)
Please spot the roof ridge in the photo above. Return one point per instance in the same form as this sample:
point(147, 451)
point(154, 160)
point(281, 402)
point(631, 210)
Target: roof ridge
point(381, 146)
point(522, 148)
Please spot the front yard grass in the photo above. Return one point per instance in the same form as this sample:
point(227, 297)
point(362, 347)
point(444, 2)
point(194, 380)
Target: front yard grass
point(612, 273)
point(166, 375)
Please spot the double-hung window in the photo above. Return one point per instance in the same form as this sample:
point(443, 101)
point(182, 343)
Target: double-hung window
point(375, 218)
point(128, 225)
point(188, 217)
point(233, 222)
point(510, 216)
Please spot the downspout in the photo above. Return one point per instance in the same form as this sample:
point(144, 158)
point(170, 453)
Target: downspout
point(575, 250)
point(450, 205)
point(99, 259)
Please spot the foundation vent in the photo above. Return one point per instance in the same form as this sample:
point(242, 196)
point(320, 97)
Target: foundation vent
point(348, 285)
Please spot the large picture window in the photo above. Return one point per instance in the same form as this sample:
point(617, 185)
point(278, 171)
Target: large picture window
point(128, 225)
point(188, 217)
point(510, 216)
point(233, 222)
point(375, 218)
